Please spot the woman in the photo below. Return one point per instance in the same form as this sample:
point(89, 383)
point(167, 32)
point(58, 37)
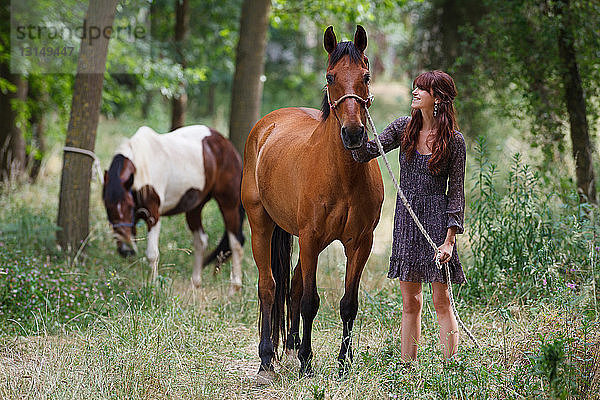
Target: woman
point(432, 171)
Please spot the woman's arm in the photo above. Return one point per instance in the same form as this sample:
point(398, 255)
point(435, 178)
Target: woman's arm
point(456, 184)
point(390, 138)
point(456, 196)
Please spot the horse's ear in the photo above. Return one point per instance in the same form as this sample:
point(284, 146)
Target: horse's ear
point(329, 41)
point(127, 173)
point(360, 38)
point(129, 182)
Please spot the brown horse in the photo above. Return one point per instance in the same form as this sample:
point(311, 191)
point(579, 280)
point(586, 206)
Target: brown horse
point(152, 175)
point(300, 179)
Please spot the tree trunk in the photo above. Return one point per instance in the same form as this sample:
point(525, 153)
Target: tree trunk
point(249, 66)
point(178, 108)
point(147, 104)
point(39, 97)
point(182, 24)
point(575, 101)
point(38, 126)
point(73, 209)
point(12, 141)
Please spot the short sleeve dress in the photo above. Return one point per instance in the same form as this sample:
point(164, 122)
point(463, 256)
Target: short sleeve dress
point(437, 200)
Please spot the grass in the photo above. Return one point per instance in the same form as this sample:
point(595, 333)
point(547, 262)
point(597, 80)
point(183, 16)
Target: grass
point(92, 327)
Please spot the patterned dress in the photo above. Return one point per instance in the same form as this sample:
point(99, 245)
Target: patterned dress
point(438, 200)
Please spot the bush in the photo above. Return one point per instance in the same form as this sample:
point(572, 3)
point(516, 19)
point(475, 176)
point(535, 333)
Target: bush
point(525, 242)
point(41, 290)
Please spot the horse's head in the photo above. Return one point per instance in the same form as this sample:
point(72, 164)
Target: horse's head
point(347, 86)
point(119, 203)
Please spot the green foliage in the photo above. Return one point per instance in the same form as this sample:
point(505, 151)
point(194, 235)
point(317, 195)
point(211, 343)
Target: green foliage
point(318, 393)
point(529, 66)
point(289, 13)
point(566, 359)
point(522, 247)
point(504, 57)
point(43, 292)
point(28, 232)
point(550, 364)
point(35, 293)
point(37, 296)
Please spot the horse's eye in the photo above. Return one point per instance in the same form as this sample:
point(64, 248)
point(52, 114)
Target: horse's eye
point(367, 78)
point(329, 78)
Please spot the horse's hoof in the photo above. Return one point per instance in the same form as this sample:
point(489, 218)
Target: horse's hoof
point(265, 377)
point(196, 281)
point(306, 372)
point(343, 371)
point(234, 289)
point(290, 359)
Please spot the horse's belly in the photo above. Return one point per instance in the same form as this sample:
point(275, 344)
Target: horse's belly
point(278, 187)
point(192, 176)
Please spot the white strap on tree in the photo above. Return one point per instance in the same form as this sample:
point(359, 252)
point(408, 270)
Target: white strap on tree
point(421, 228)
point(96, 169)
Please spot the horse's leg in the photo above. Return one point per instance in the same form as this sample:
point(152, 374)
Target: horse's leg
point(309, 305)
point(237, 254)
point(152, 249)
point(194, 222)
point(262, 228)
point(293, 338)
point(230, 209)
point(357, 255)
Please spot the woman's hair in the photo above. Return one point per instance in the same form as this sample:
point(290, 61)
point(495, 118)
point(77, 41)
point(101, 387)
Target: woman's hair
point(441, 86)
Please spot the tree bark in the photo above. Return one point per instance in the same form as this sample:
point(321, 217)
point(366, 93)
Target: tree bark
point(73, 209)
point(12, 141)
point(249, 67)
point(576, 107)
point(182, 25)
point(38, 95)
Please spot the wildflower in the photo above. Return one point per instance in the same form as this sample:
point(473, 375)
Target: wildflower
point(571, 285)
point(544, 282)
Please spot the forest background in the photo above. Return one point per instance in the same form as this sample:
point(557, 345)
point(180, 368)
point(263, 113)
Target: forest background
point(78, 321)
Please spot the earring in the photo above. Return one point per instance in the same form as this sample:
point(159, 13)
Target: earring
point(435, 109)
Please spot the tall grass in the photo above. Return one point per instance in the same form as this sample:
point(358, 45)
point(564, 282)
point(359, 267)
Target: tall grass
point(94, 328)
point(525, 243)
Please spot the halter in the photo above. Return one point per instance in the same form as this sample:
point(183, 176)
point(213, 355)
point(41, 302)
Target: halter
point(126, 224)
point(366, 103)
point(135, 210)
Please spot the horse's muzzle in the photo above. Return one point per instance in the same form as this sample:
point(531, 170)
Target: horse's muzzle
point(125, 250)
point(353, 138)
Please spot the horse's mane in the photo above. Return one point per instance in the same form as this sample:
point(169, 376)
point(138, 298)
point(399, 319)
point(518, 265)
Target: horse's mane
point(342, 49)
point(114, 191)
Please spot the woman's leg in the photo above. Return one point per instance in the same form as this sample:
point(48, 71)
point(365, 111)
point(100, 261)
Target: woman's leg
point(446, 319)
point(412, 303)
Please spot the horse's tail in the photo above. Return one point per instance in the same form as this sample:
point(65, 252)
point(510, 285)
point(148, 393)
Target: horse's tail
point(223, 250)
point(281, 257)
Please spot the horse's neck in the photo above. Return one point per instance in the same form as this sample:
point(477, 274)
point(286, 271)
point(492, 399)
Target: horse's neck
point(148, 202)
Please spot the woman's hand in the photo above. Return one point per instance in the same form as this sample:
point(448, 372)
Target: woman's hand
point(445, 252)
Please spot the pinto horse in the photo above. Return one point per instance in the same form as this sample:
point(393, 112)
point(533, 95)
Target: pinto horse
point(300, 179)
point(152, 175)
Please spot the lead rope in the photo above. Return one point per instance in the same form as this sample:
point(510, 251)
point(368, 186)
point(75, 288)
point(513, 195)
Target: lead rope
point(95, 167)
point(422, 229)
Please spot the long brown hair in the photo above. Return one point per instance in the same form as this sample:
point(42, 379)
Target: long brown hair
point(441, 86)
